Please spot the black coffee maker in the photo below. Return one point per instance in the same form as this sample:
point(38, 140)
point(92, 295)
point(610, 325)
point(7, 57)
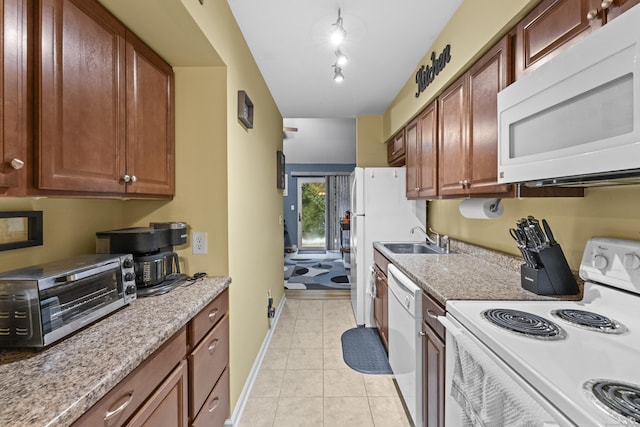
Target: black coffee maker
point(156, 266)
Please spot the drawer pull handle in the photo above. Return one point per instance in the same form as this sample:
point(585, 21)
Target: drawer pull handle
point(431, 314)
point(214, 404)
point(213, 345)
point(213, 314)
point(110, 414)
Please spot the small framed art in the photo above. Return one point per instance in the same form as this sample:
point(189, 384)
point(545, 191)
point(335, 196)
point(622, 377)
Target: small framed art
point(20, 229)
point(281, 177)
point(245, 109)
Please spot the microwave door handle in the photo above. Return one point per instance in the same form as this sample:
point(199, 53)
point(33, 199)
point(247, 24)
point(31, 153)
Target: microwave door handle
point(92, 272)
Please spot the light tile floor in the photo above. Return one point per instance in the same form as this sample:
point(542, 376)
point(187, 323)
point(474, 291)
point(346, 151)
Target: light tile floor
point(303, 380)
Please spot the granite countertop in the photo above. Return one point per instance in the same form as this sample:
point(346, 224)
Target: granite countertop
point(470, 273)
point(56, 386)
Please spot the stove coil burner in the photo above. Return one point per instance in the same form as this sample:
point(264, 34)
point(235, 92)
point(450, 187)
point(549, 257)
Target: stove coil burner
point(591, 321)
point(524, 323)
point(620, 400)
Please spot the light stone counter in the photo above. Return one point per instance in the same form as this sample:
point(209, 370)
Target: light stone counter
point(56, 386)
point(471, 273)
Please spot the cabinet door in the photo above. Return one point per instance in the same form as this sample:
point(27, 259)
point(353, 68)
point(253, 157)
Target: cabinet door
point(428, 151)
point(486, 78)
point(412, 150)
point(80, 114)
point(167, 407)
point(150, 121)
point(550, 27)
point(380, 302)
point(433, 357)
point(453, 151)
point(14, 94)
point(396, 150)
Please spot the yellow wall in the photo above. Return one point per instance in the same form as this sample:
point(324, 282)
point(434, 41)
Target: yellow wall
point(370, 148)
point(225, 174)
point(602, 212)
point(474, 28)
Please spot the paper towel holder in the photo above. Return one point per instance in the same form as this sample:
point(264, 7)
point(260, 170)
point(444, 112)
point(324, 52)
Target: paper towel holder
point(493, 207)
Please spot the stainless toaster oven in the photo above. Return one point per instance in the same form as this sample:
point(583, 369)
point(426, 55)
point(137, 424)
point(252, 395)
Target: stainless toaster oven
point(42, 304)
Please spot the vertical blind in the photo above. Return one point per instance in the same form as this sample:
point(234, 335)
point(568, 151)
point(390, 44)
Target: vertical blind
point(337, 203)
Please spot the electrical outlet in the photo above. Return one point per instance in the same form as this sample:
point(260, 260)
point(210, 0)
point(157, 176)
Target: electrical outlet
point(199, 242)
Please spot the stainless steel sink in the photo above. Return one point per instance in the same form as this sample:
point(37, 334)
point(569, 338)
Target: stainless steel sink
point(413, 248)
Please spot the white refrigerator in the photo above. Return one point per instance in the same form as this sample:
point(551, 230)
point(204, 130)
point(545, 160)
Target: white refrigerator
point(380, 211)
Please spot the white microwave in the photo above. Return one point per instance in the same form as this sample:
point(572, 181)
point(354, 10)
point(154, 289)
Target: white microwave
point(576, 119)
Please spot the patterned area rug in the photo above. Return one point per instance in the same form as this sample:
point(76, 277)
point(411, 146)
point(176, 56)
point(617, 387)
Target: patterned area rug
point(315, 272)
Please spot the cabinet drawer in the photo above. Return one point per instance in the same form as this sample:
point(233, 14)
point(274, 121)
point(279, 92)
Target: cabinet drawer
point(216, 408)
point(206, 363)
point(430, 309)
point(209, 316)
point(125, 398)
point(168, 405)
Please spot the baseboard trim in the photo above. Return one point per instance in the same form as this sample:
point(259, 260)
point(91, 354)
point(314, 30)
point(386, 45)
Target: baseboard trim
point(248, 385)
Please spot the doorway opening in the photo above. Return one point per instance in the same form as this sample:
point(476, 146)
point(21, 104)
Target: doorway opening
point(311, 214)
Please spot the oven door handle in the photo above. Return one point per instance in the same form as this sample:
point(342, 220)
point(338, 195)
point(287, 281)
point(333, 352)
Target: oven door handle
point(450, 326)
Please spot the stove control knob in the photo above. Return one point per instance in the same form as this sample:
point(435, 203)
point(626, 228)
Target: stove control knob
point(600, 262)
point(631, 261)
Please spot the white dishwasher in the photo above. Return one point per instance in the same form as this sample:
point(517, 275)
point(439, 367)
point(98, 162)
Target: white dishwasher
point(405, 342)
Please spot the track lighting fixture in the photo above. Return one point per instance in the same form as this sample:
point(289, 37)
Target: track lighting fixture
point(338, 34)
point(338, 77)
point(341, 58)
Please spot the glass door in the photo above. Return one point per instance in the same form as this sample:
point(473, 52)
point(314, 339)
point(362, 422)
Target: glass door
point(311, 213)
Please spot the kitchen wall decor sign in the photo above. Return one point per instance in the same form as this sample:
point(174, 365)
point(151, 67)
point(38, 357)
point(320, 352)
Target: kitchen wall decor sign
point(245, 109)
point(427, 73)
point(20, 229)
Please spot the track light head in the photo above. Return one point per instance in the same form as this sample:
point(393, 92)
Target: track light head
point(338, 77)
point(341, 58)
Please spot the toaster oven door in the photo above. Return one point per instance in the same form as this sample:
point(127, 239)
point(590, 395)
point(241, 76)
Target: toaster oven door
point(79, 299)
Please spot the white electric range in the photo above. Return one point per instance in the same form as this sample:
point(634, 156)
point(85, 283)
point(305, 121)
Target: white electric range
point(584, 374)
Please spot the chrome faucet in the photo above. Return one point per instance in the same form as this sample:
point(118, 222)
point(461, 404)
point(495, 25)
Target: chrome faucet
point(440, 241)
point(426, 235)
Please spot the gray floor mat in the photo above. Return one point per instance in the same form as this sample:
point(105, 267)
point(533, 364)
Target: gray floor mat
point(363, 351)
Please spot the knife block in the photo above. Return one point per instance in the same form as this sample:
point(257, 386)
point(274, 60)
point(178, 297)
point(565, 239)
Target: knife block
point(554, 277)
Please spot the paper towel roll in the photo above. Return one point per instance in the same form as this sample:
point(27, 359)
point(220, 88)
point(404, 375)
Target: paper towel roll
point(480, 208)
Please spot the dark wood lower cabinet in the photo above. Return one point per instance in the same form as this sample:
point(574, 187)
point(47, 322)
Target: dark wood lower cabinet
point(168, 405)
point(433, 363)
point(433, 377)
point(185, 382)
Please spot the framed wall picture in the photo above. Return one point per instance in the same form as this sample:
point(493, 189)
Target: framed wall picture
point(20, 229)
point(281, 177)
point(245, 109)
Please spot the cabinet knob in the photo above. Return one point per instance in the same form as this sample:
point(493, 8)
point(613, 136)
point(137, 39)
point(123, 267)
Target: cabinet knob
point(465, 183)
point(133, 178)
point(592, 14)
point(126, 178)
point(606, 4)
point(17, 164)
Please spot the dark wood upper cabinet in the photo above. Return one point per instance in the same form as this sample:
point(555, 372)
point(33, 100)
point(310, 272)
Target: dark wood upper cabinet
point(81, 97)
point(453, 159)
point(150, 120)
point(396, 150)
point(104, 105)
point(468, 127)
point(485, 79)
point(550, 27)
point(427, 152)
point(15, 95)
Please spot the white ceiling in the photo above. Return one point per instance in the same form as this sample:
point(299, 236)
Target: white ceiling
point(386, 40)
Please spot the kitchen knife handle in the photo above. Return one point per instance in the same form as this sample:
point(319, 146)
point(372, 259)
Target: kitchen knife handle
point(547, 230)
